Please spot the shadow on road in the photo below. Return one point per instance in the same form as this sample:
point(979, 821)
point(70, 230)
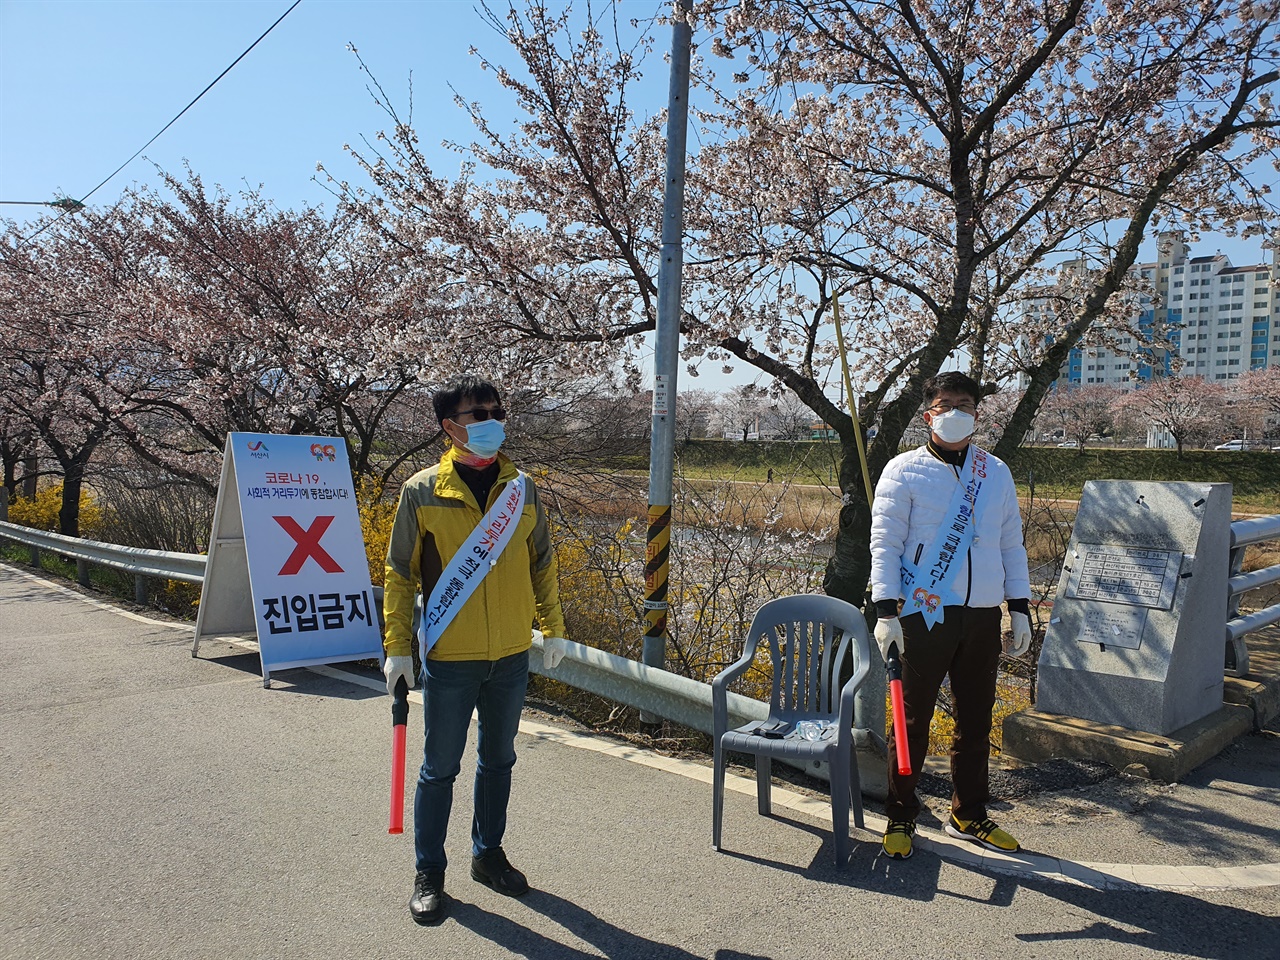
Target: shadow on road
point(297, 680)
point(1161, 921)
point(867, 869)
point(581, 925)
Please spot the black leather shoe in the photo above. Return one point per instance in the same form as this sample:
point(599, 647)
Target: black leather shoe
point(427, 905)
point(493, 869)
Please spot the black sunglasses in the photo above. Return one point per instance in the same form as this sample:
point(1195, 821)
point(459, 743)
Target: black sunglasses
point(481, 414)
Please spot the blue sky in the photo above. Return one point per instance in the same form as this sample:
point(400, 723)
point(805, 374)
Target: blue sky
point(85, 84)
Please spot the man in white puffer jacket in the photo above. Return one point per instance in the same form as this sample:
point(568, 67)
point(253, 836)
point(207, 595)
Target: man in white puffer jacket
point(946, 542)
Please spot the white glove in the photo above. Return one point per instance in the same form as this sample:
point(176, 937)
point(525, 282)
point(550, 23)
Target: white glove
point(552, 652)
point(889, 630)
point(1020, 643)
point(396, 667)
point(552, 649)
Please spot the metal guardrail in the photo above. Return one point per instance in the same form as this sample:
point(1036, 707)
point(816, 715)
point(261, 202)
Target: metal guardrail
point(143, 564)
point(680, 699)
point(1244, 533)
point(665, 694)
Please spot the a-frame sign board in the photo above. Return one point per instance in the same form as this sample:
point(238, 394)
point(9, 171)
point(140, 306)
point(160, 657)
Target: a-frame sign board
point(286, 555)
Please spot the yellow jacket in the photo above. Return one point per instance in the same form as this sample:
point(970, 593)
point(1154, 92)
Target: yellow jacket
point(436, 514)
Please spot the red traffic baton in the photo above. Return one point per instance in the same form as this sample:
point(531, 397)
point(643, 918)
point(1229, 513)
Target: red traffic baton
point(894, 669)
point(399, 722)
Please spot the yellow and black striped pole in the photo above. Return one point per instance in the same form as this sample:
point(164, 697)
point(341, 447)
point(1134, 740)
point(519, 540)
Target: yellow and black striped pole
point(657, 556)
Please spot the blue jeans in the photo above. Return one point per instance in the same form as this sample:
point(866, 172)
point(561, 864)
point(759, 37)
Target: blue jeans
point(451, 690)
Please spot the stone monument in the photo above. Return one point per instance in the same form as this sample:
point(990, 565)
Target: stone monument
point(1135, 638)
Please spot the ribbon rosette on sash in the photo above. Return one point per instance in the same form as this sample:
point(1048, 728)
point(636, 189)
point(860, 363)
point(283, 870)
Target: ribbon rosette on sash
point(471, 564)
point(927, 584)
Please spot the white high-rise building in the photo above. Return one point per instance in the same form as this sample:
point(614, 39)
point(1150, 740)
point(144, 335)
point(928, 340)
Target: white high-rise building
point(1220, 320)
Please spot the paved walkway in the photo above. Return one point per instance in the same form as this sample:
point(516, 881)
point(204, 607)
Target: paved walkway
point(155, 805)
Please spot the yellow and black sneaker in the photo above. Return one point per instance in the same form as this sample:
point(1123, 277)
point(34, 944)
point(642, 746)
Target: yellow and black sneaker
point(897, 838)
point(984, 833)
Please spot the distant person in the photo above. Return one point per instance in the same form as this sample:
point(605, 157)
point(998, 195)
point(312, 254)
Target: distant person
point(471, 532)
point(769, 476)
point(946, 540)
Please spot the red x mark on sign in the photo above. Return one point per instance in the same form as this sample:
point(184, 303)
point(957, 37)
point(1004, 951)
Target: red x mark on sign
point(308, 545)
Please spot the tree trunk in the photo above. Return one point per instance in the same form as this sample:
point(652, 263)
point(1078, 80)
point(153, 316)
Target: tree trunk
point(73, 471)
point(849, 568)
point(13, 451)
point(69, 512)
point(30, 473)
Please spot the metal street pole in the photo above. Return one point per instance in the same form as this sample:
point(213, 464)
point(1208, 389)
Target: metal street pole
point(667, 350)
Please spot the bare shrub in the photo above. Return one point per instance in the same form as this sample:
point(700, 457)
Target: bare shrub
point(142, 507)
point(730, 552)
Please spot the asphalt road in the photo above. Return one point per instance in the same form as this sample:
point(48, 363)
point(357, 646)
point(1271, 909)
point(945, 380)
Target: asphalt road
point(155, 805)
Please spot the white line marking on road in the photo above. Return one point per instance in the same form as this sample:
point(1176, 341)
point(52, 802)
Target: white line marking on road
point(1101, 876)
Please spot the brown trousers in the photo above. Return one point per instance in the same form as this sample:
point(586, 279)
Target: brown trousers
point(966, 647)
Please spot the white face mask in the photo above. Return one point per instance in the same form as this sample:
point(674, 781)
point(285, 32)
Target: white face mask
point(952, 426)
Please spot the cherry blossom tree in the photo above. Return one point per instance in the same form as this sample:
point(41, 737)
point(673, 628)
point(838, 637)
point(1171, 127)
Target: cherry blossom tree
point(1082, 412)
point(289, 322)
point(787, 418)
point(59, 356)
point(940, 159)
point(1255, 400)
point(695, 412)
point(1188, 408)
point(932, 160)
point(994, 415)
point(269, 321)
point(742, 412)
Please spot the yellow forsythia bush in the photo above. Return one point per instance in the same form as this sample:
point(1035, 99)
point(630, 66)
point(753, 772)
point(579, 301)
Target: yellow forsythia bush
point(593, 587)
point(1011, 696)
point(376, 515)
point(41, 511)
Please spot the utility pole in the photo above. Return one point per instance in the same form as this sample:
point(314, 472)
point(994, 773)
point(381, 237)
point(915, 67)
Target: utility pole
point(667, 350)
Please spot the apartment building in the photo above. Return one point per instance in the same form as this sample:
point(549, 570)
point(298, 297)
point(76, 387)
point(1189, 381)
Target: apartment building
point(1221, 320)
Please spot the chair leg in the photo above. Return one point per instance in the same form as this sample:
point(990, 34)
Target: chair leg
point(717, 794)
point(840, 806)
point(840, 830)
point(764, 782)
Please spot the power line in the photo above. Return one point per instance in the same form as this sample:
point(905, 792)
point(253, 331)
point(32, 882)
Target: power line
point(80, 202)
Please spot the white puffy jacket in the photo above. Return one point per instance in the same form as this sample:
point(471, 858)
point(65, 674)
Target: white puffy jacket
point(911, 500)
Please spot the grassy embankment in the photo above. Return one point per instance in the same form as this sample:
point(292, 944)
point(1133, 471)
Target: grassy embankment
point(1058, 473)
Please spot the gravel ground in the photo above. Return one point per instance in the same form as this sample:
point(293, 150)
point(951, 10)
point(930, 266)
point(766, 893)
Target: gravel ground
point(1022, 782)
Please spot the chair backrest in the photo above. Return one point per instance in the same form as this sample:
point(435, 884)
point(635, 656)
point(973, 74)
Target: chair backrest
point(809, 637)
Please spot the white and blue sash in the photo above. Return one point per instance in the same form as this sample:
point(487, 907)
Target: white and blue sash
point(927, 584)
point(471, 564)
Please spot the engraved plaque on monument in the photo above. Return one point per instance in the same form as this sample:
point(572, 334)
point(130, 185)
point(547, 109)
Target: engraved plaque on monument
point(1135, 638)
point(1132, 575)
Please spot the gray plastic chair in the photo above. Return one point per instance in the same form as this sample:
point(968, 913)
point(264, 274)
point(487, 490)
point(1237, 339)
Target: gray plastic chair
point(808, 637)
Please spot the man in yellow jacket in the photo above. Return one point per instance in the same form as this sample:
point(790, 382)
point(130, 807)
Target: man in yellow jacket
point(470, 533)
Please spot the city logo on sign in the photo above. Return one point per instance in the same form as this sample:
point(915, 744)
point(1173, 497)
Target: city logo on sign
point(258, 450)
point(325, 451)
